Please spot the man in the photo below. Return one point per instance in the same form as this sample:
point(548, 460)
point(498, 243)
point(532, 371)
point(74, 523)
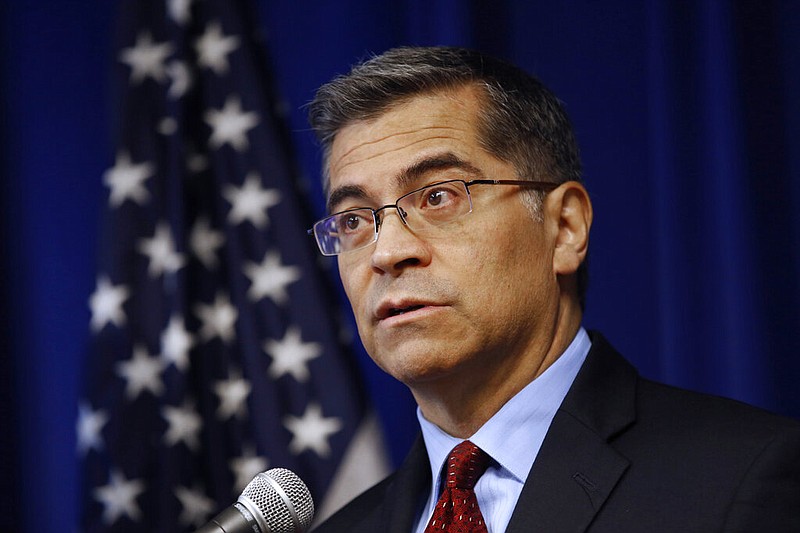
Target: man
point(461, 229)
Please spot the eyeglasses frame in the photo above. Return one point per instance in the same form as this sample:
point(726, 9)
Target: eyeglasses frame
point(545, 186)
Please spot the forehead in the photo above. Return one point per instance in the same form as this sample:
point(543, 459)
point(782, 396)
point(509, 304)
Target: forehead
point(422, 127)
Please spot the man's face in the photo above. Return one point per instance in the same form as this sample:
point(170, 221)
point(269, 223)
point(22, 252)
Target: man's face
point(473, 298)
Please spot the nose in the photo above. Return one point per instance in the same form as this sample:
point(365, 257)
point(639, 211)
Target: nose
point(398, 247)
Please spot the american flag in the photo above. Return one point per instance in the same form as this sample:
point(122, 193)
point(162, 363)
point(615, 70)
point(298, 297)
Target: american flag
point(215, 354)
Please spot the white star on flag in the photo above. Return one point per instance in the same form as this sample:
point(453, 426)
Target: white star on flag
point(290, 355)
point(179, 11)
point(126, 180)
point(230, 124)
point(232, 393)
point(251, 201)
point(218, 319)
point(181, 78)
point(195, 506)
point(106, 304)
point(146, 58)
point(141, 373)
point(213, 48)
point(167, 126)
point(176, 342)
point(311, 431)
point(90, 424)
point(160, 249)
point(195, 161)
point(204, 242)
point(270, 278)
point(119, 498)
point(246, 467)
point(184, 425)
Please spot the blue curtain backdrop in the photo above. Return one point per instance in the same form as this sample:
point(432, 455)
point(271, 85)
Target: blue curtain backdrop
point(687, 113)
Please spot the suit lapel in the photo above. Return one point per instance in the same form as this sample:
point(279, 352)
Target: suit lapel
point(572, 476)
point(404, 496)
point(576, 469)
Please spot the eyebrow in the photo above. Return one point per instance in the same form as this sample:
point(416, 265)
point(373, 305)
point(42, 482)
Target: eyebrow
point(416, 171)
point(407, 177)
point(340, 194)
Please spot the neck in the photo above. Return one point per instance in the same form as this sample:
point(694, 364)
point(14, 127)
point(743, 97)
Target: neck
point(461, 403)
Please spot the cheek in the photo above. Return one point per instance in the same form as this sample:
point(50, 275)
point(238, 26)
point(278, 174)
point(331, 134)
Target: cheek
point(517, 269)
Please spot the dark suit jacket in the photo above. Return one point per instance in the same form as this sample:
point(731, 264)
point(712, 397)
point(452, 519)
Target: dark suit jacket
point(627, 454)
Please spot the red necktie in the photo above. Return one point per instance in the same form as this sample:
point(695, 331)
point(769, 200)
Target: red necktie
point(457, 509)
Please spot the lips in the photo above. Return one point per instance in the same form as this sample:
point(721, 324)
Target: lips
point(394, 308)
point(399, 311)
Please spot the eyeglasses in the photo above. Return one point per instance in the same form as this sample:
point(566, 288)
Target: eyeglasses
point(421, 209)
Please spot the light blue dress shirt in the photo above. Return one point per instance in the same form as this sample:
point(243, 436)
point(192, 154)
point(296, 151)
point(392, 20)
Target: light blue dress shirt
point(512, 437)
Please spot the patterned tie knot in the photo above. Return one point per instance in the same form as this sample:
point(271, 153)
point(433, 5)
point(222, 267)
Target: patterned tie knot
point(465, 465)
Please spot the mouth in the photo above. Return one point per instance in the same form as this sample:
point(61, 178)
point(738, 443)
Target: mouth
point(396, 311)
point(395, 308)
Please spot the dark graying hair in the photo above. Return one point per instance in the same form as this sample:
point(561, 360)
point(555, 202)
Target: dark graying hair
point(521, 121)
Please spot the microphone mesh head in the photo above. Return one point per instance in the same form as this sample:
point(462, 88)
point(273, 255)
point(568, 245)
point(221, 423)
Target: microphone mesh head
point(271, 504)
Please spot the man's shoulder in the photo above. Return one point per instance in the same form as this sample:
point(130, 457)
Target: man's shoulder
point(673, 405)
point(680, 410)
point(637, 414)
point(706, 460)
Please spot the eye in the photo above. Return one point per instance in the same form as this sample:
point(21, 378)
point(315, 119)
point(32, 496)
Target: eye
point(446, 195)
point(436, 197)
point(354, 221)
point(351, 222)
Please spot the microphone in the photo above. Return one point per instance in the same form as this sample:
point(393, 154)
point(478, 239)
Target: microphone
point(275, 501)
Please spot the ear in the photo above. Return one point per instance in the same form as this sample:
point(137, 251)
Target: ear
point(570, 212)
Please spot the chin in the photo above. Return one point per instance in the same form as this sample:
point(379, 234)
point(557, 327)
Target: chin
point(418, 356)
point(416, 369)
